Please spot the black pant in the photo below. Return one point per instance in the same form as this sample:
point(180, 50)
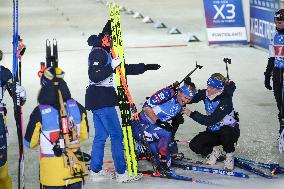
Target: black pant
point(277, 90)
point(204, 142)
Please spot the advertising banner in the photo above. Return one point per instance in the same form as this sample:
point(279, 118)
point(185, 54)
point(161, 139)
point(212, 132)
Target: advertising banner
point(225, 21)
point(262, 24)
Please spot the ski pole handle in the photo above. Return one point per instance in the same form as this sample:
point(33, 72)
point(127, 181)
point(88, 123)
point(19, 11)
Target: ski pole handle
point(227, 61)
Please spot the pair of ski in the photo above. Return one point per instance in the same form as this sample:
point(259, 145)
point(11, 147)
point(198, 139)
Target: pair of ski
point(179, 161)
point(249, 165)
point(194, 167)
point(126, 104)
point(245, 164)
point(172, 175)
point(169, 175)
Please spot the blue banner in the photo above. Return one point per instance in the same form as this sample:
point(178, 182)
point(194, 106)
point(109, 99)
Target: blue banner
point(225, 21)
point(262, 25)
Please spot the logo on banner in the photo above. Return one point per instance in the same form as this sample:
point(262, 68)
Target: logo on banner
point(230, 11)
point(225, 21)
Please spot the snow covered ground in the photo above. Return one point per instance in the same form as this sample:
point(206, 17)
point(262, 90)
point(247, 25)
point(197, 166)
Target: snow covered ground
point(71, 23)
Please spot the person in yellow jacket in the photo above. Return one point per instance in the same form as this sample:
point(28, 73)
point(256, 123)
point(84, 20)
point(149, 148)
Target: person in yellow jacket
point(6, 83)
point(43, 129)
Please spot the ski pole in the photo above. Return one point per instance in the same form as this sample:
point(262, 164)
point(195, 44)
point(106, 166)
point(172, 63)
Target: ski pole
point(227, 61)
point(176, 84)
point(190, 73)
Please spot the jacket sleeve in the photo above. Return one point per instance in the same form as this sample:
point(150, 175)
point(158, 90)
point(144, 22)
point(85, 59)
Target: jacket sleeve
point(269, 66)
point(230, 88)
point(7, 80)
point(134, 69)
point(200, 95)
point(159, 97)
point(223, 109)
point(271, 58)
point(33, 130)
point(84, 127)
point(99, 73)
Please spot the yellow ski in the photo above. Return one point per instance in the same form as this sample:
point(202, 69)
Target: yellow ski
point(123, 92)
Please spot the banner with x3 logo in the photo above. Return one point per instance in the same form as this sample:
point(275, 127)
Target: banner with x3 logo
point(225, 21)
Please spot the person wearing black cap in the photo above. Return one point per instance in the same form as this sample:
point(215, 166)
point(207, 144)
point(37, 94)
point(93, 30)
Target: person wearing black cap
point(101, 99)
point(221, 121)
point(44, 130)
point(7, 83)
point(275, 65)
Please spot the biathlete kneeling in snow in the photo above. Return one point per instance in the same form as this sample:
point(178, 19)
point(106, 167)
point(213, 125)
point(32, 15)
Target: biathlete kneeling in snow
point(221, 120)
point(160, 108)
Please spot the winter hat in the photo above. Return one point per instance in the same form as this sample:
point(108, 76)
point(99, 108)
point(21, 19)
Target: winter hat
point(279, 15)
point(107, 28)
point(48, 93)
point(188, 91)
point(95, 40)
point(49, 74)
point(98, 56)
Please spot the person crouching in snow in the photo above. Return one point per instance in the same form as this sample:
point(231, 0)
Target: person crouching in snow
point(221, 121)
point(160, 108)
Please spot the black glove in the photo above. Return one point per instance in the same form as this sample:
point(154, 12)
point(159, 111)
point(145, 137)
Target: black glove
point(177, 120)
point(175, 86)
point(152, 67)
point(165, 125)
point(187, 81)
point(267, 82)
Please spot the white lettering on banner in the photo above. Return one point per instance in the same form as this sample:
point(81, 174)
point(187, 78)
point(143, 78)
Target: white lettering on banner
point(262, 28)
point(219, 11)
point(230, 11)
point(220, 2)
point(227, 34)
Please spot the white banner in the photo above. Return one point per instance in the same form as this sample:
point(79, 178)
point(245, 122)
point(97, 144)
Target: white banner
point(227, 34)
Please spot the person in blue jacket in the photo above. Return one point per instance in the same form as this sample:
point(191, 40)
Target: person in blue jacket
point(154, 127)
point(7, 83)
point(101, 99)
point(221, 121)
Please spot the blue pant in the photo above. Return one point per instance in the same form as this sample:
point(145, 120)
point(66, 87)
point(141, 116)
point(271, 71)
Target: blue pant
point(157, 138)
point(107, 124)
point(77, 185)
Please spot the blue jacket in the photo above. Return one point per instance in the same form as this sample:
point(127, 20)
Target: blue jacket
point(224, 107)
point(97, 95)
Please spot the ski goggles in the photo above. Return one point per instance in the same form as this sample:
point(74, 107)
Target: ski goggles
point(215, 83)
point(188, 91)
